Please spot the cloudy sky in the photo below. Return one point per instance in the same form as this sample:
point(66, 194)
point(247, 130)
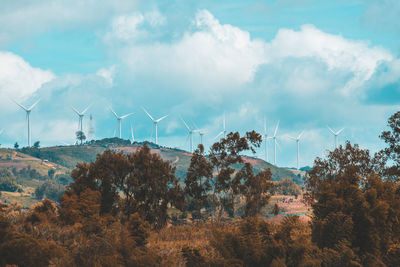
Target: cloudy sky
point(307, 63)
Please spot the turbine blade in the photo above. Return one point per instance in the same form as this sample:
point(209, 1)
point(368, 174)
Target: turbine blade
point(276, 128)
point(160, 119)
point(339, 131)
point(330, 130)
point(76, 111)
point(127, 115)
point(218, 135)
point(148, 114)
point(184, 122)
point(114, 112)
point(298, 137)
point(21, 106)
point(86, 109)
point(34, 104)
point(291, 137)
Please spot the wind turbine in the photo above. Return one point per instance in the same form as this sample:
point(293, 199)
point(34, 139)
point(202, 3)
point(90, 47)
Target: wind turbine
point(335, 134)
point(119, 120)
point(223, 132)
point(80, 115)
point(297, 141)
point(275, 142)
point(154, 121)
point(190, 134)
point(28, 112)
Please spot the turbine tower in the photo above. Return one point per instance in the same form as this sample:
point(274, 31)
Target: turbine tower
point(132, 136)
point(154, 121)
point(119, 120)
point(335, 134)
point(297, 142)
point(266, 137)
point(80, 115)
point(190, 133)
point(223, 132)
point(28, 112)
point(275, 142)
point(202, 133)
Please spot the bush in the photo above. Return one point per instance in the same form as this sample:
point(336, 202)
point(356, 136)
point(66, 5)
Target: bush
point(9, 185)
point(50, 190)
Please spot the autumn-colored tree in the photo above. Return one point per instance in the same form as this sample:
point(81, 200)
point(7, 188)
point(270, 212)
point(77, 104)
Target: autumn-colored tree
point(198, 181)
point(150, 187)
point(140, 182)
point(103, 175)
point(354, 208)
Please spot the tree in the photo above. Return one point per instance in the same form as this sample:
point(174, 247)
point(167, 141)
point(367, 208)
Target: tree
point(80, 135)
point(392, 152)
point(354, 208)
point(137, 183)
point(150, 187)
point(213, 181)
point(51, 173)
point(36, 144)
point(16, 146)
point(198, 180)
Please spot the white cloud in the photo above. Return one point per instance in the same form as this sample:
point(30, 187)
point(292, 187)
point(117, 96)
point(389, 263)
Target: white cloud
point(336, 52)
point(18, 79)
point(217, 58)
point(107, 74)
point(129, 27)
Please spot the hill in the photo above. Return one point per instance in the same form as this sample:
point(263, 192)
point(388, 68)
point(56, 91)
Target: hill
point(69, 156)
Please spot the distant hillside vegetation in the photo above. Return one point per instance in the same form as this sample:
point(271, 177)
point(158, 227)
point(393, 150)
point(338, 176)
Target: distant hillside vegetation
point(69, 156)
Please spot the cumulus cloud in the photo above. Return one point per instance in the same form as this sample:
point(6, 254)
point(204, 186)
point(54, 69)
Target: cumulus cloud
point(18, 79)
point(219, 58)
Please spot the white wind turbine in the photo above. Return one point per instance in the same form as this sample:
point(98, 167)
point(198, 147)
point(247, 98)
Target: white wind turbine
point(119, 120)
point(80, 115)
point(190, 134)
point(154, 121)
point(275, 142)
point(298, 146)
point(223, 132)
point(335, 134)
point(28, 112)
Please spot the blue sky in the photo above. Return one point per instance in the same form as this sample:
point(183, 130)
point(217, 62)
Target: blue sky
point(307, 63)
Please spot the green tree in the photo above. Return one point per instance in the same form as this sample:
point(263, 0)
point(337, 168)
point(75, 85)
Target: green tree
point(36, 145)
point(392, 152)
point(80, 136)
point(198, 180)
point(16, 146)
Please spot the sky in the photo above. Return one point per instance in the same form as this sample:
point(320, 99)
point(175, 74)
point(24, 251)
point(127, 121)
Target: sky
point(306, 63)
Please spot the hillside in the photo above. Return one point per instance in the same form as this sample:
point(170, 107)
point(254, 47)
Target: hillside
point(69, 156)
